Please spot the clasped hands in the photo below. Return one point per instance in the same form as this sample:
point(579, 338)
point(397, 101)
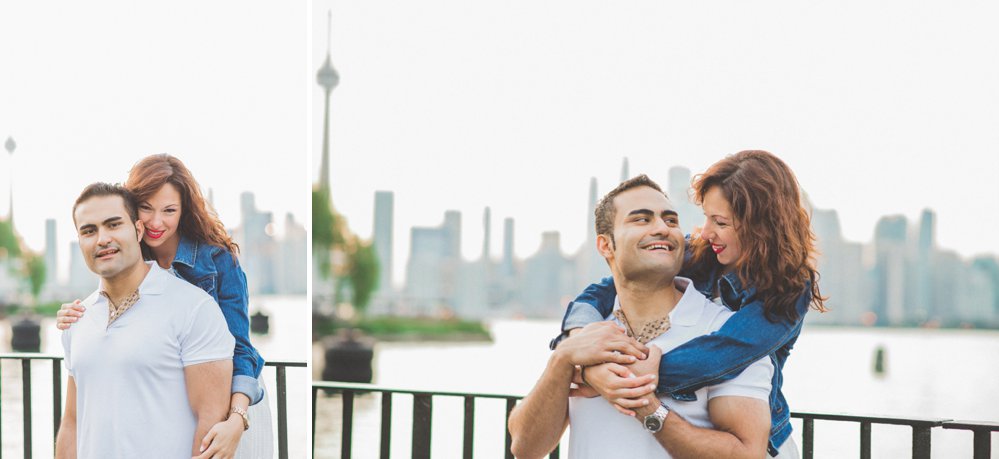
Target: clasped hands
point(614, 366)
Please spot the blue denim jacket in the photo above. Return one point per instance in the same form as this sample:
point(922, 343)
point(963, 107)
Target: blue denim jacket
point(217, 272)
point(746, 337)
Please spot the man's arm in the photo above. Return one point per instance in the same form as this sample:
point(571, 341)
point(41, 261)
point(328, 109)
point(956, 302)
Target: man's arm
point(742, 423)
point(537, 423)
point(208, 394)
point(66, 438)
point(738, 409)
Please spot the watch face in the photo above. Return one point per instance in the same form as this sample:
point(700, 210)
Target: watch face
point(653, 424)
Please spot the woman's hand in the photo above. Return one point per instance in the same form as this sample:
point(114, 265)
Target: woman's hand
point(68, 314)
point(222, 439)
point(620, 386)
point(601, 342)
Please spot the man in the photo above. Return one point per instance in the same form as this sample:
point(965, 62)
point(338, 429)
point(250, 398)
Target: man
point(639, 235)
point(151, 365)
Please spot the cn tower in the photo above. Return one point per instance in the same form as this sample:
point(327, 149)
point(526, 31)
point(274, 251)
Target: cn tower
point(328, 79)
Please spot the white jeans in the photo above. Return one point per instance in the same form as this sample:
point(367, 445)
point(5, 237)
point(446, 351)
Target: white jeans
point(789, 450)
point(258, 442)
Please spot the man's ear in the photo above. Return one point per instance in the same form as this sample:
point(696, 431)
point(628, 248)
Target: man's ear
point(140, 229)
point(605, 246)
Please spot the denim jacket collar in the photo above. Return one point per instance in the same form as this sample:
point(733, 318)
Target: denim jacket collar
point(730, 288)
point(187, 251)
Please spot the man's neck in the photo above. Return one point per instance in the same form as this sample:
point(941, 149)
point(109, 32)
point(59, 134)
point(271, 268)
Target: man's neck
point(643, 301)
point(126, 281)
point(165, 253)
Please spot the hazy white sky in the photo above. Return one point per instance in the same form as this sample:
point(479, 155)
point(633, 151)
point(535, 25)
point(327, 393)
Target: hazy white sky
point(880, 108)
point(86, 90)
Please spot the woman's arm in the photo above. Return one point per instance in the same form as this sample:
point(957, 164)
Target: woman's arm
point(746, 337)
point(233, 300)
point(593, 305)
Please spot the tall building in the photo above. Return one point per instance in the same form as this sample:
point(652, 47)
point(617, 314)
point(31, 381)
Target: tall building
point(890, 235)
point(431, 273)
point(82, 281)
point(920, 299)
point(840, 267)
point(258, 250)
point(590, 266)
point(51, 277)
point(548, 279)
point(678, 191)
point(382, 237)
point(293, 258)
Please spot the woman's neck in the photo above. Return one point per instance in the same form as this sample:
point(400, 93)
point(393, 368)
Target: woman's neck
point(166, 252)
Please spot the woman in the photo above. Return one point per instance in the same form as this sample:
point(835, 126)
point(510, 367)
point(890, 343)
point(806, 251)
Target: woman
point(185, 237)
point(754, 255)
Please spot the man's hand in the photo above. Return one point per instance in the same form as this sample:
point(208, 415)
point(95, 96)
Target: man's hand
point(601, 342)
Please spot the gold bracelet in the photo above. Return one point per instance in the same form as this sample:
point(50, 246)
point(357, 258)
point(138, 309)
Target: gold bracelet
point(242, 413)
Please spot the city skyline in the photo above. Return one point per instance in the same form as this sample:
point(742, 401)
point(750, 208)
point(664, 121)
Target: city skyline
point(900, 277)
point(490, 106)
point(473, 242)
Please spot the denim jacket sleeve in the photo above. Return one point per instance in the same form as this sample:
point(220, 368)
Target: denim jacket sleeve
point(593, 305)
point(233, 299)
point(746, 337)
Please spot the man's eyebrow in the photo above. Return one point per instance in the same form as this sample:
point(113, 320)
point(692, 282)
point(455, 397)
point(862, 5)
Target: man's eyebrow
point(649, 212)
point(111, 220)
point(87, 226)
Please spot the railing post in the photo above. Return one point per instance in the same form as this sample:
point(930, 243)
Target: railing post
point(422, 416)
point(510, 404)
point(315, 394)
point(386, 438)
point(983, 444)
point(26, 405)
point(808, 438)
point(920, 442)
point(282, 407)
point(347, 423)
point(56, 398)
point(469, 431)
point(865, 440)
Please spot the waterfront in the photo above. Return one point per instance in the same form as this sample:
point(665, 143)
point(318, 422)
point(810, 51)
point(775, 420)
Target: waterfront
point(930, 373)
point(286, 341)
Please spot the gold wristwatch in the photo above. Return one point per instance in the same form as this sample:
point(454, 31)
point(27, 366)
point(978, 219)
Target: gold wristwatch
point(242, 413)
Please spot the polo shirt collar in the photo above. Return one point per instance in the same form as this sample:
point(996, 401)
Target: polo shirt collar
point(688, 310)
point(152, 284)
point(155, 281)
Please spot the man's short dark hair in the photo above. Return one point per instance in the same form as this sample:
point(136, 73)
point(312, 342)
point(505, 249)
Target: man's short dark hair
point(106, 189)
point(605, 211)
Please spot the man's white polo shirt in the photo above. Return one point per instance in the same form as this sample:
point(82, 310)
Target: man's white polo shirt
point(597, 430)
point(131, 399)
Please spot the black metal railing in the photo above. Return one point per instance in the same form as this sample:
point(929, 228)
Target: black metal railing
point(26, 386)
point(423, 412)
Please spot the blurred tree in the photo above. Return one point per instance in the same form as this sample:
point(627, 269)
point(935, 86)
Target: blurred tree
point(36, 274)
point(8, 240)
point(363, 274)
